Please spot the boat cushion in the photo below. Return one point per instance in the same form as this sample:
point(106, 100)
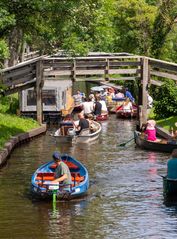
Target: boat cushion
point(69, 164)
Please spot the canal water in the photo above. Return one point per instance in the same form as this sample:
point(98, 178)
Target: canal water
point(124, 200)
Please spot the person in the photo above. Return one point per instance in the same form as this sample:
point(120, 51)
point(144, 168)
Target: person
point(104, 107)
point(127, 106)
point(149, 101)
point(119, 94)
point(172, 165)
point(88, 106)
point(62, 172)
point(83, 123)
point(173, 139)
point(129, 95)
point(150, 130)
point(97, 107)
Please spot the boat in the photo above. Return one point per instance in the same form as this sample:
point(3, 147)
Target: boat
point(114, 104)
point(42, 187)
point(126, 114)
point(85, 136)
point(102, 117)
point(169, 187)
point(162, 146)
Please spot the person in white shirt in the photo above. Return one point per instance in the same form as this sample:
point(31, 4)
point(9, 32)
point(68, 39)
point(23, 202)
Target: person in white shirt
point(127, 106)
point(104, 107)
point(88, 107)
point(149, 101)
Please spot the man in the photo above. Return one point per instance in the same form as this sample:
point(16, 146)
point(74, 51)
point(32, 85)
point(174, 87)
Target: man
point(172, 165)
point(62, 173)
point(83, 123)
point(97, 107)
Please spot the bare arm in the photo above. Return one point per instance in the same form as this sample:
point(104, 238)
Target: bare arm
point(57, 180)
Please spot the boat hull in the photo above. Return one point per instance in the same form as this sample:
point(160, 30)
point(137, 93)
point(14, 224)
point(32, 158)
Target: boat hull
point(81, 138)
point(120, 113)
point(78, 188)
point(154, 146)
point(169, 187)
point(102, 117)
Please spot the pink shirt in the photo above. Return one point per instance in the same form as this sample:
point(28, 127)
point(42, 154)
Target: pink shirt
point(151, 134)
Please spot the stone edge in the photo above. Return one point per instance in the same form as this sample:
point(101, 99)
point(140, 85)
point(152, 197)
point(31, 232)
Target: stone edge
point(19, 138)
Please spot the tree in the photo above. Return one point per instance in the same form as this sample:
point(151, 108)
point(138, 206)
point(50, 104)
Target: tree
point(134, 22)
point(163, 24)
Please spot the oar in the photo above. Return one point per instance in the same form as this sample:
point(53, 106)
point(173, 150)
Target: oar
point(123, 144)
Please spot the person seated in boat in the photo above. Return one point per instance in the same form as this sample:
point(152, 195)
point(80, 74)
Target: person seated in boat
point(172, 165)
point(97, 107)
point(108, 98)
point(150, 131)
point(119, 95)
point(104, 109)
point(65, 124)
point(62, 173)
point(173, 139)
point(129, 95)
point(88, 107)
point(127, 106)
point(83, 123)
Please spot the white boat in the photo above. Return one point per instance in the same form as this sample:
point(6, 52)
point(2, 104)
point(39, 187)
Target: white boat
point(85, 136)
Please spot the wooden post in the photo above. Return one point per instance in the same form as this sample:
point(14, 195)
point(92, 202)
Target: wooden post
point(39, 85)
point(145, 80)
point(73, 71)
point(106, 72)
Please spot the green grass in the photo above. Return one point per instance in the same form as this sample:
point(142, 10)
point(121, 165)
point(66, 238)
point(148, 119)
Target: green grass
point(168, 123)
point(11, 125)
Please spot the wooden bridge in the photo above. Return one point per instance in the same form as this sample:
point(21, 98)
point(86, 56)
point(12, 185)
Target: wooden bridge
point(32, 73)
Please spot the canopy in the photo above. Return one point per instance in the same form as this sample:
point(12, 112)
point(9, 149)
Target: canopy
point(97, 88)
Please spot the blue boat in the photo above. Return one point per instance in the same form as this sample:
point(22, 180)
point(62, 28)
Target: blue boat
point(42, 187)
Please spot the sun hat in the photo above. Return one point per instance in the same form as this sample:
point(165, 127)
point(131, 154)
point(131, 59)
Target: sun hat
point(56, 155)
point(151, 124)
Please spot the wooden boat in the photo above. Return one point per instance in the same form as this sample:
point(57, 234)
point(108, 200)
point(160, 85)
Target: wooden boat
point(85, 135)
point(169, 187)
point(41, 185)
point(114, 104)
point(126, 114)
point(162, 146)
point(102, 117)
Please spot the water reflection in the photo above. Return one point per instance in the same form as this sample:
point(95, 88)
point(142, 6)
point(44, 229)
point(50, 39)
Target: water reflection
point(125, 199)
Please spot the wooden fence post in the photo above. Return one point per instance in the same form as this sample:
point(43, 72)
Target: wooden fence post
point(39, 85)
point(145, 81)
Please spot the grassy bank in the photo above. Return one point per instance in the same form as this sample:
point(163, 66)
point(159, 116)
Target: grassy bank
point(11, 125)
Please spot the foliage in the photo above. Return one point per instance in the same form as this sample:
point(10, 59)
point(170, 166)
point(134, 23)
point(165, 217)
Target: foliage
point(9, 104)
point(168, 123)
point(163, 24)
point(134, 22)
point(166, 100)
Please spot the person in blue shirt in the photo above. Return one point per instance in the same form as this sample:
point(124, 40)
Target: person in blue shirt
point(172, 166)
point(129, 95)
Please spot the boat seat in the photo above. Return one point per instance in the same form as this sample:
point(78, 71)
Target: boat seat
point(69, 164)
point(65, 128)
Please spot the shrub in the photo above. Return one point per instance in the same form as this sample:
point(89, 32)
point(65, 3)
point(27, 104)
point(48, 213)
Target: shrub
point(166, 100)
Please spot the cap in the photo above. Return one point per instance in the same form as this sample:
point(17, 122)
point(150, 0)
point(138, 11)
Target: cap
point(56, 155)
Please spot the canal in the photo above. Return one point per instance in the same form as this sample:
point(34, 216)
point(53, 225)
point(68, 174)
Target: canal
point(124, 200)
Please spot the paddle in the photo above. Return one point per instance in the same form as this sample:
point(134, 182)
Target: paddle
point(123, 144)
